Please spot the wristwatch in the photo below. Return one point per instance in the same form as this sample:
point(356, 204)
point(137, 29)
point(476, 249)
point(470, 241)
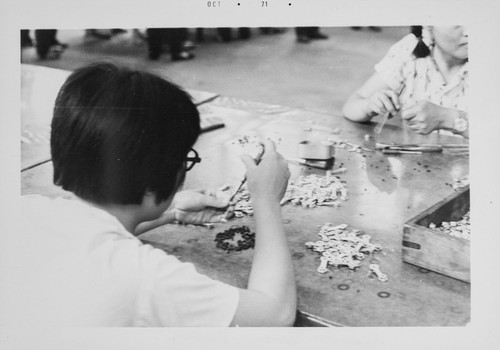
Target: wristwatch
point(460, 124)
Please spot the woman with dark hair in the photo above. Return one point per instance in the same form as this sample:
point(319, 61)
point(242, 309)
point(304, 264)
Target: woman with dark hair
point(424, 77)
point(122, 142)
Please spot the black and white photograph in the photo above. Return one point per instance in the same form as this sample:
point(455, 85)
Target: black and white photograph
point(316, 175)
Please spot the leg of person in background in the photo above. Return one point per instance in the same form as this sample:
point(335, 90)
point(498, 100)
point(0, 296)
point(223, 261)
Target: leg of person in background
point(244, 33)
point(155, 39)
point(302, 35)
point(271, 30)
point(47, 45)
point(25, 38)
point(200, 35)
point(225, 34)
point(315, 34)
point(138, 36)
point(176, 38)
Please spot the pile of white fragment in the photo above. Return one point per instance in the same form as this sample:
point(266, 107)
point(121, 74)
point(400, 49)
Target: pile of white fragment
point(341, 246)
point(308, 191)
point(460, 228)
point(314, 190)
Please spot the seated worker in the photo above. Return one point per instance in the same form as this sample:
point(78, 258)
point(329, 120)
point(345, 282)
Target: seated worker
point(122, 143)
point(424, 77)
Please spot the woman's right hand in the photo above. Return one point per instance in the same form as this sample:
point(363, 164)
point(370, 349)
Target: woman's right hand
point(382, 102)
point(269, 178)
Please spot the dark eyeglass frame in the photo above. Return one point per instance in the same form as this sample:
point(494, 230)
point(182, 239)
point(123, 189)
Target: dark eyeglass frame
point(193, 160)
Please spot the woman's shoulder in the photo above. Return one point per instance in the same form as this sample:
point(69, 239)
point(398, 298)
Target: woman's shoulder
point(406, 45)
point(398, 55)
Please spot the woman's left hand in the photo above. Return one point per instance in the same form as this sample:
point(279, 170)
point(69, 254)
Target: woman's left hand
point(199, 206)
point(425, 117)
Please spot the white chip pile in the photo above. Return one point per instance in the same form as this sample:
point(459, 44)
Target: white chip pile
point(243, 203)
point(459, 228)
point(308, 191)
point(340, 246)
point(313, 190)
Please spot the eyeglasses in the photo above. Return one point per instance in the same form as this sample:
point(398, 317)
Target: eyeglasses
point(191, 159)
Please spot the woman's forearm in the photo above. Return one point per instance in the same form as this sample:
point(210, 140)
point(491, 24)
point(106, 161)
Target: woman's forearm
point(356, 108)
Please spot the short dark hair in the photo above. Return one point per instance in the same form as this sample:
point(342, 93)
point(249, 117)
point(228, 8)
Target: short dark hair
point(118, 133)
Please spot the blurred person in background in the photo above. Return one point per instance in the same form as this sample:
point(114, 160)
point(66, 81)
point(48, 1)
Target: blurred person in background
point(306, 34)
point(47, 45)
point(173, 37)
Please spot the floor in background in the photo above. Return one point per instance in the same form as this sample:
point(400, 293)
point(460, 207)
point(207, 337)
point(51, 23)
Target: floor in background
point(273, 69)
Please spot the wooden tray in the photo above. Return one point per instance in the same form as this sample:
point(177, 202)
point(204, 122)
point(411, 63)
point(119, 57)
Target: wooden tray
point(435, 250)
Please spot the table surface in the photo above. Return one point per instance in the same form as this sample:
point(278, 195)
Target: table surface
point(384, 192)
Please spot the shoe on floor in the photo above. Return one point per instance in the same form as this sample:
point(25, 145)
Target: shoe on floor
point(318, 36)
point(189, 45)
point(96, 34)
point(53, 53)
point(182, 56)
point(154, 55)
point(116, 31)
point(63, 45)
point(303, 39)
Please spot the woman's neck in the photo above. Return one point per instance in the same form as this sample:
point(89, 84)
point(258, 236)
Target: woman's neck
point(447, 64)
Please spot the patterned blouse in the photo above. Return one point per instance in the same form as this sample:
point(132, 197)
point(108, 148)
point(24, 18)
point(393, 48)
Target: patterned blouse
point(418, 79)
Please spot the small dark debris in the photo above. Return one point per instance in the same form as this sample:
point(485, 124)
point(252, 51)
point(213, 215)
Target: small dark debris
point(223, 239)
point(384, 294)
